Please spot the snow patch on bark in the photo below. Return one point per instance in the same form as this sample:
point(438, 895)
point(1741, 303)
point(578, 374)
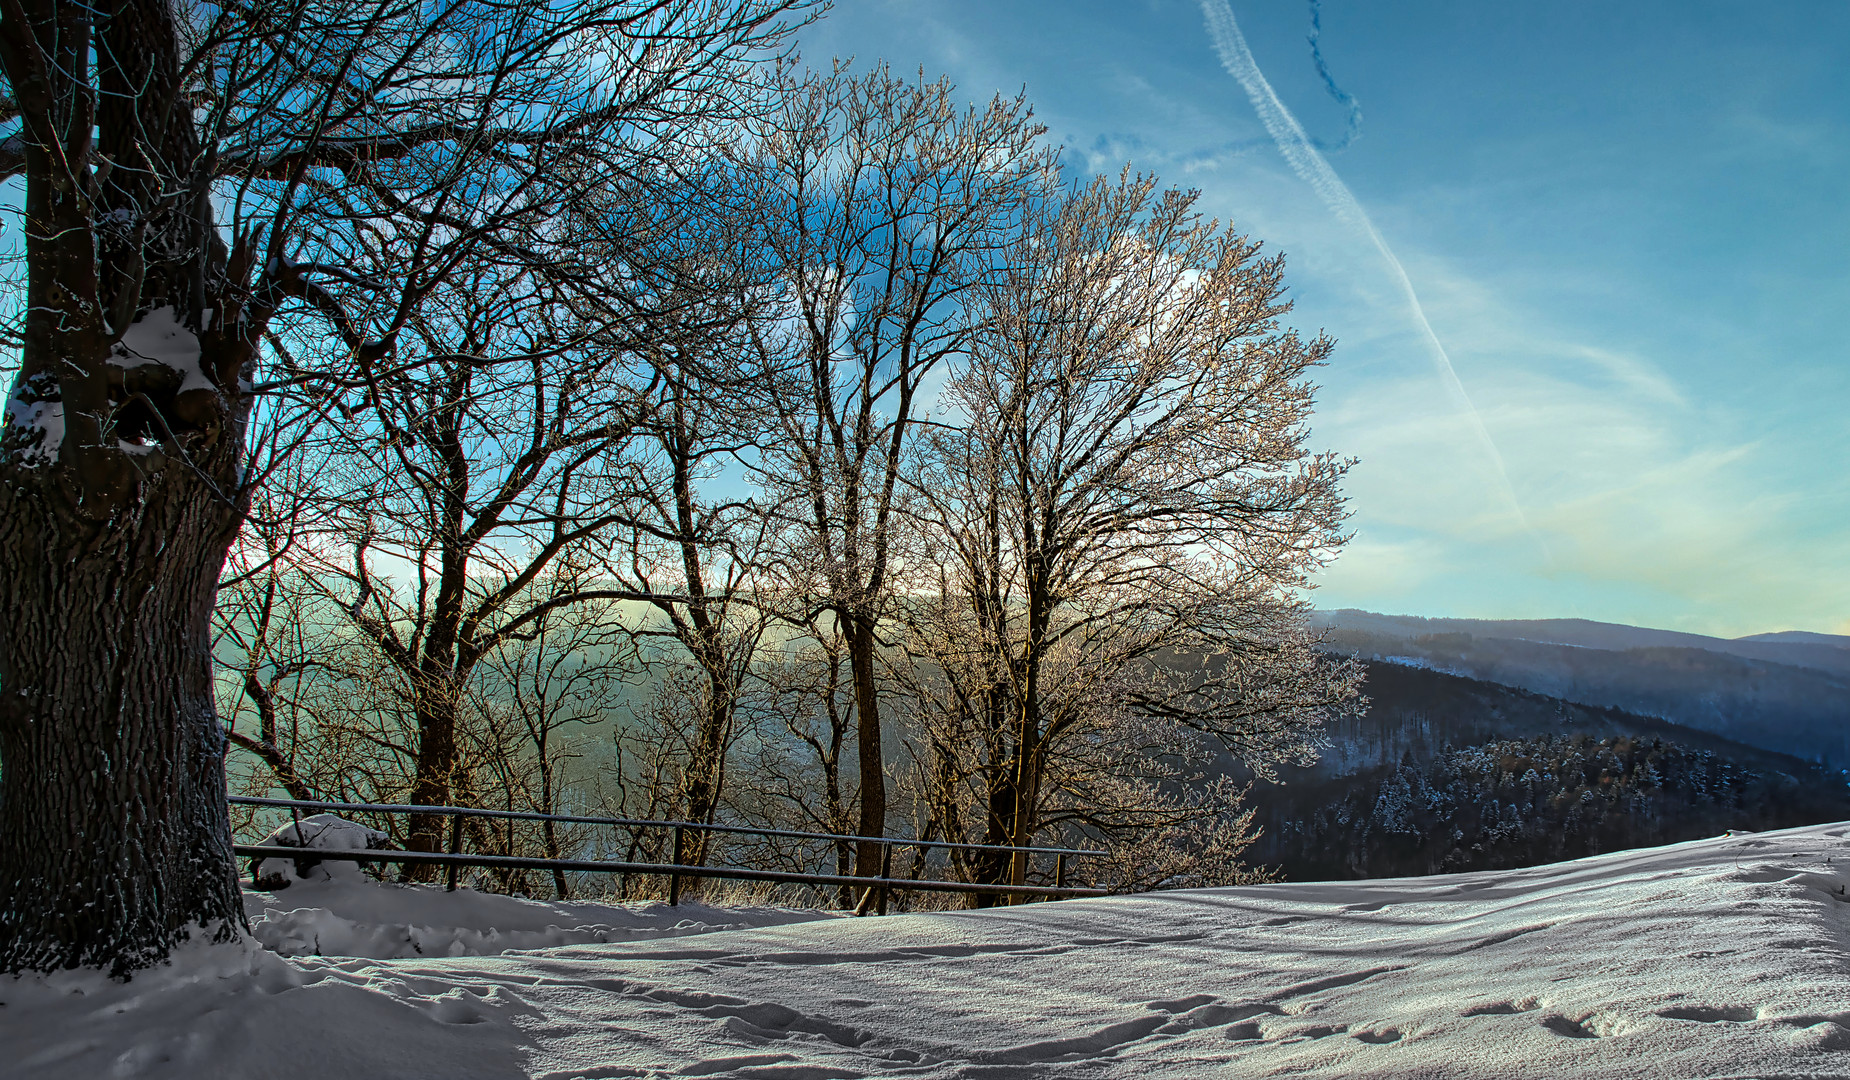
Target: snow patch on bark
point(159, 338)
point(43, 418)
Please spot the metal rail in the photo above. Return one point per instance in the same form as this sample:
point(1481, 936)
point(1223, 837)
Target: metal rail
point(571, 819)
point(875, 887)
point(518, 862)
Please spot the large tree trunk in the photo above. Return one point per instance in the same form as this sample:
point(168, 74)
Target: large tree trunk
point(993, 707)
point(113, 828)
point(1013, 811)
point(860, 634)
point(440, 671)
point(993, 867)
point(434, 777)
point(706, 773)
point(119, 497)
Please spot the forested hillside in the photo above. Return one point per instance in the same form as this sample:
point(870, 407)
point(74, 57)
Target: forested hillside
point(1445, 773)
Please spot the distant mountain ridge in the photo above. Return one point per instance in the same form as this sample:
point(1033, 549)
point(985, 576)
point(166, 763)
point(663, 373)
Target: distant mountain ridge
point(1787, 692)
point(1795, 648)
point(1838, 641)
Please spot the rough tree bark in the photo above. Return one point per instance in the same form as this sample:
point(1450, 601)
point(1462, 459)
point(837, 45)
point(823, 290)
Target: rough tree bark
point(118, 501)
point(123, 459)
point(118, 751)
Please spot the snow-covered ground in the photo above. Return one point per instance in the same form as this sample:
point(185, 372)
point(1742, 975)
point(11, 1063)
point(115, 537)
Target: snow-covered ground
point(1726, 957)
point(388, 922)
point(338, 911)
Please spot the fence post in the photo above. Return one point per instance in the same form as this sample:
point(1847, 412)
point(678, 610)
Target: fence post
point(455, 848)
point(886, 871)
point(674, 878)
point(1059, 871)
point(295, 815)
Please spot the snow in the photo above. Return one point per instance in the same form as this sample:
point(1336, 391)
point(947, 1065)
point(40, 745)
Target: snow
point(156, 338)
point(1728, 956)
point(387, 921)
point(159, 338)
point(331, 908)
point(1422, 663)
point(44, 416)
point(323, 832)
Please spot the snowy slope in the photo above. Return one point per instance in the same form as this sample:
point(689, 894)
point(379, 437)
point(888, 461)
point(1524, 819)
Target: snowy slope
point(1724, 957)
point(387, 922)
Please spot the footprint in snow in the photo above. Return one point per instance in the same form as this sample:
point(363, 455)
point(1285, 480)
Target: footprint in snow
point(1711, 1014)
point(1181, 1004)
point(1502, 1008)
point(1207, 1011)
point(1311, 1031)
point(1572, 1029)
point(1823, 1034)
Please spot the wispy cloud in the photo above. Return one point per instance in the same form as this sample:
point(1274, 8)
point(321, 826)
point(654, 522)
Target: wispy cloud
point(1305, 160)
point(1657, 507)
point(1652, 341)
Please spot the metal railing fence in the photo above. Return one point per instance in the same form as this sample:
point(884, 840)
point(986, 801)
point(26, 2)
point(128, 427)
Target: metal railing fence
point(875, 888)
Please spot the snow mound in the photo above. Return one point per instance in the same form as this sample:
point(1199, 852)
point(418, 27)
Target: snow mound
point(356, 916)
point(331, 908)
point(318, 832)
point(1722, 957)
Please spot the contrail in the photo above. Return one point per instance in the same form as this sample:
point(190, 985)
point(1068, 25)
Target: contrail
point(1304, 160)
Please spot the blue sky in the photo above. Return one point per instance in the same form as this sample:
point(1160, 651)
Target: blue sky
point(1628, 226)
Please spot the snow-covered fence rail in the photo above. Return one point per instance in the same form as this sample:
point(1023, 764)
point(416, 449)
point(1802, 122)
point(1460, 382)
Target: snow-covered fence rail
point(876, 887)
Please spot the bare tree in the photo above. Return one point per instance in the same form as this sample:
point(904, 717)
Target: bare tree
point(1123, 520)
point(548, 689)
point(886, 203)
point(266, 643)
point(190, 171)
point(804, 721)
point(695, 554)
point(457, 488)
